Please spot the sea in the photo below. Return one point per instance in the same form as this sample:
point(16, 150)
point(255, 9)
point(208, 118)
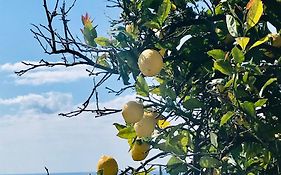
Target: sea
point(85, 173)
point(72, 173)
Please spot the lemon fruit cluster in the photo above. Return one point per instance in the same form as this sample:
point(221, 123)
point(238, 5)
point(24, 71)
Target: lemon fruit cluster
point(140, 150)
point(107, 165)
point(150, 62)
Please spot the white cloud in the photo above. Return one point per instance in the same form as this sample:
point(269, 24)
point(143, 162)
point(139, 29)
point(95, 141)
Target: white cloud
point(50, 102)
point(44, 75)
point(30, 141)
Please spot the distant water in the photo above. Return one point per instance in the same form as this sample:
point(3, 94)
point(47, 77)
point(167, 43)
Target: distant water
point(54, 174)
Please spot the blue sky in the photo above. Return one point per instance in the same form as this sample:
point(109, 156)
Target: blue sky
point(32, 135)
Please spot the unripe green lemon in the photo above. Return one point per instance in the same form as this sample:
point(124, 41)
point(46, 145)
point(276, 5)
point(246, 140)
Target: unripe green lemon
point(132, 112)
point(150, 62)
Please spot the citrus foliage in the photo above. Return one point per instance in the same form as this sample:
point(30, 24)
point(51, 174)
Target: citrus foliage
point(213, 105)
point(222, 83)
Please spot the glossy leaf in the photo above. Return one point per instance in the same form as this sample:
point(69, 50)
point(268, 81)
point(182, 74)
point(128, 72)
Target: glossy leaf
point(261, 102)
point(214, 139)
point(209, 162)
point(226, 117)
point(102, 41)
point(268, 82)
point(237, 55)
point(242, 42)
point(163, 11)
point(259, 42)
point(249, 108)
point(103, 61)
point(223, 66)
point(152, 24)
point(216, 54)
point(176, 166)
point(127, 133)
point(119, 126)
point(192, 103)
point(142, 87)
point(89, 36)
point(254, 13)
point(231, 25)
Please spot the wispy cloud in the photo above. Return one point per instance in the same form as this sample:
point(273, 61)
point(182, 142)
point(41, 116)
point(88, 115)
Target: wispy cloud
point(50, 102)
point(61, 144)
point(45, 75)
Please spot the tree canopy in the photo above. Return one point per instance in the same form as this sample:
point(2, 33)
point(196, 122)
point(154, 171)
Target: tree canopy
point(217, 97)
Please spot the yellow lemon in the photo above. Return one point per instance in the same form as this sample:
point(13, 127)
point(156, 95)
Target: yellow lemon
point(146, 126)
point(132, 112)
point(150, 62)
point(140, 150)
point(107, 165)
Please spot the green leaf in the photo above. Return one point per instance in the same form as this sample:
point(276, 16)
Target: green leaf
point(127, 133)
point(269, 82)
point(261, 102)
point(242, 42)
point(231, 25)
point(119, 126)
point(176, 166)
point(219, 9)
point(229, 83)
point(102, 41)
point(102, 61)
point(254, 13)
point(163, 11)
point(223, 66)
point(142, 87)
point(124, 73)
point(217, 54)
point(152, 24)
point(214, 139)
point(249, 108)
point(259, 42)
point(209, 162)
point(192, 103)
point(89, 36)
point(226, 117)
point(237, 55)
point(167, 91)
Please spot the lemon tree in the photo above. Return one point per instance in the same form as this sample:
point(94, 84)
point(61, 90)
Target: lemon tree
point(206, 73)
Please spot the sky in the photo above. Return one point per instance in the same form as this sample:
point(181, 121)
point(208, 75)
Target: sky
point(32, 135)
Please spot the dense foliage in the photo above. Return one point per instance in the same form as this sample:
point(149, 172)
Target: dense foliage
point(219, 87)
